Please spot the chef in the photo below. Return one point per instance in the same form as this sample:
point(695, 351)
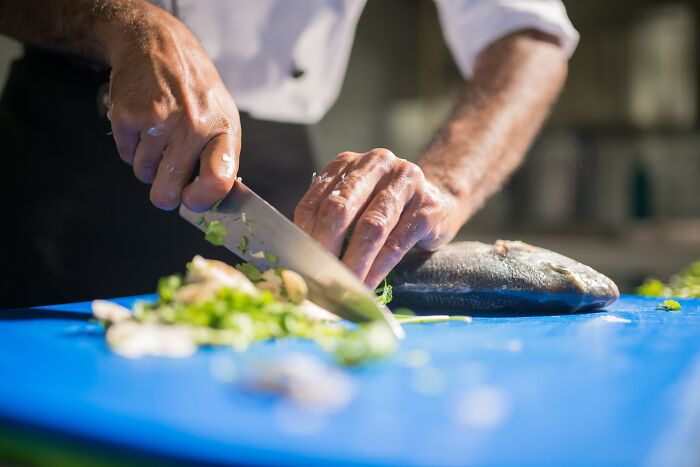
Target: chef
point(187, 91)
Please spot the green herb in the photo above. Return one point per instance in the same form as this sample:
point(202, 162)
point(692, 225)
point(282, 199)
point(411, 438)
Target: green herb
point(250, 271)
point(685, 284)
point(385, 293)
point(216, 233)
point(238, 319)
point(669, 305)
point(243, 244)
point(652, 288)
point(167, 286)
point(272, 258)
point(234, 317)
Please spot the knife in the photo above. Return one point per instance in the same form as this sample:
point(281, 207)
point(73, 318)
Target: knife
point(261, 235)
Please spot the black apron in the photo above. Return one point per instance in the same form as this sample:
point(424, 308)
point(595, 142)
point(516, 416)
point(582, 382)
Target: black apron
point(77, 225)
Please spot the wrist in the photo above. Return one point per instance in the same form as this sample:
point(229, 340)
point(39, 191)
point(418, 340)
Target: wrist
point(128, 27)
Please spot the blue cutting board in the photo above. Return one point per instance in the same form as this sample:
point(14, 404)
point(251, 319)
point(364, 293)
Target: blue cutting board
point(619, 387)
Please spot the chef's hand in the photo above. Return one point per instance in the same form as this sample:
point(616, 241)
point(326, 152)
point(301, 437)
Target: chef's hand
point(388, 201)
point(170, 110)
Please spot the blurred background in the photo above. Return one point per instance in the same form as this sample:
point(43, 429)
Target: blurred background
point(614, 178)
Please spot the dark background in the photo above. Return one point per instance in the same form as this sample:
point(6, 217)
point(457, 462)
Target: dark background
point(613, 178)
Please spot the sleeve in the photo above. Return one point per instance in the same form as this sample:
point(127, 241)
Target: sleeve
point(469, 26)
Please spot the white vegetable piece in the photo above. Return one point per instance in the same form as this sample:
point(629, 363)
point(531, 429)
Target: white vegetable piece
point(316, 313)
point(271, 282)
point(295, 286)
point(197, 292)
point(134, 340)
point(110, 311)
point(220, 274)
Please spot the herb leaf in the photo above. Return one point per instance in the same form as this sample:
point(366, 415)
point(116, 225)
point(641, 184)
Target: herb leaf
point(685, 284)
point(216, 233)
point(250, 271)
point(243, 244)
point(385, 292)
point(669, 305)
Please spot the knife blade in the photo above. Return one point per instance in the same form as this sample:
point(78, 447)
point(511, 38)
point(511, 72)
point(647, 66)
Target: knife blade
point(261, 235)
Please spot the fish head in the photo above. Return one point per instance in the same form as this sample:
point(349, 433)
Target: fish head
point(580, 285)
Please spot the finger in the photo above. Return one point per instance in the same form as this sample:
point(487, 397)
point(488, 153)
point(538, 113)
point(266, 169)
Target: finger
point(174, 172)
point(413, 225)
point(149, 153)
point(173, 166)
point(217, 173)
point(126, 134)
point(319, 189)
point(379, 220)
point(340, 207)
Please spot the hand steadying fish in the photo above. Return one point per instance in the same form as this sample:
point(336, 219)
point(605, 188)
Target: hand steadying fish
point(506, 277)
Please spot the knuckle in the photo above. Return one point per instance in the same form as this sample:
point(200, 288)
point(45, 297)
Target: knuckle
point(336, 207)
point(383, 153)
point(120, 115)
point(430, 201)
point(346, 156)
point(394, 247)
point(193, 125)
point(412, 171)
point(305, 206)
point(216, 184)
point(373, 225)
point(422, 216)
point(154, 112)
point(174, 171)
point(224, 125)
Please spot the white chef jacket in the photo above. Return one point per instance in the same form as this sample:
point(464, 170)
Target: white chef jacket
point(284, 60)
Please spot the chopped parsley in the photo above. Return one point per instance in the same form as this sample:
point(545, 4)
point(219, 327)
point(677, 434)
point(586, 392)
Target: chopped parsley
point(250, 271)
point(243, 244)
point(272, 258)
point(215, 305)
point(669, 305)
point(685, 284)
point(385, 292)
point(216, 233)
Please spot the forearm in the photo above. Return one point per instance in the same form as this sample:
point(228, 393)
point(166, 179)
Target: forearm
point(497, 116)
point(82, 27)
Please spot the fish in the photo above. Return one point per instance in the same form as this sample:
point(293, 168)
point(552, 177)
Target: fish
point(505, 278)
